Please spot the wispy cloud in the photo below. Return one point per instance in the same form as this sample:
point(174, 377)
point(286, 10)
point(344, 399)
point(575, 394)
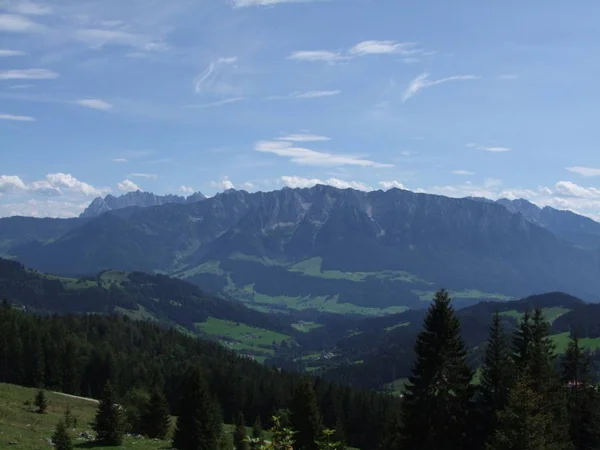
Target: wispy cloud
point(462, 172)
point(246, 3)
point(97, 38)
point(387, 185)
point(5, 53)
point(422, 81)
point(119, 160)
point(383, 47)
point(493, 149)
point(95, 103)
point(305, 156)
point(128, 186)
point(187, 190)
point(12, 23)
point(28, 74)
point(306, 95)
point(17, 118)
point(149, 176)
point(302, 182)
point(26, 7)
point(317, 55)
point(303, 137)
point(218, 103)
point(585, 171)
point(211, 73)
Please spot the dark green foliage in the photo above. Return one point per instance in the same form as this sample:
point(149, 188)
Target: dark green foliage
point(199, 425)
point(437, 398)
point(156, 421)
point(61, 438)
point(496, 378)
point(257, 431)
point(109, 423)
point(583, 400)
point(69, 420)
point(306, 419)
point(41, 403)
point(136, 405)
point(240, 437)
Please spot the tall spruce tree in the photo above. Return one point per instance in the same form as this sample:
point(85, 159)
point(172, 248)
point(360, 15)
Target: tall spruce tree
point(583, 401)
point(496, 378)
point(41, 403)
point(61, 438)
point(306, 419)
point(239, 434)
point(109, 423)
point(199, 425)
point(156, 420)
point(257, 430)
point(436, 402)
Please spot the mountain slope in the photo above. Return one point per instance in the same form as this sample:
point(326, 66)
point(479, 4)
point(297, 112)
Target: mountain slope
point(138, 198)
point(326, 248)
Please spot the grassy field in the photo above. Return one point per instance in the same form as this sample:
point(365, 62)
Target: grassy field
point(561, 341)
point(551, 314)
point(398, 325)
point(305, 327)
point(426, 296)
point(31, 431)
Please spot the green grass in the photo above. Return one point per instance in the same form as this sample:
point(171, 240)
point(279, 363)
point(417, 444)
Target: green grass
point(426, 296)
point(561, 341)
point(212, 267)
point(398, 325)
point(396, 387)
point(114, 277)
point(29, 430)
point(241, 337)
point(550, 314)
point(140, 313)
point(306, 326)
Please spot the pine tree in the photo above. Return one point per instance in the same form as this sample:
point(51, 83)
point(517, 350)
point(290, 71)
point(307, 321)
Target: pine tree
point(157, 419)
point(436, 402)
point(61, 438)
point(522, 342)
point(69, 419)
point(306, 419)
point(239, 435)
point(257, 430)
point(109, 422)
point(40, 402)
point(582, 398)
point(496, 378)
point(199, 424)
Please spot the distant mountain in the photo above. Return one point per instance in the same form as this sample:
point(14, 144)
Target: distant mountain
point(138, 198)
point(326, 249)
point(577, 229)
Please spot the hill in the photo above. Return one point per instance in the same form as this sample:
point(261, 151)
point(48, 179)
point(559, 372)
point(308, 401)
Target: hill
point(325, 249)
point(157, 298)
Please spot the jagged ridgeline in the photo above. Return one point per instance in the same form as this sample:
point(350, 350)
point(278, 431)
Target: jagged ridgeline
point(325, 249)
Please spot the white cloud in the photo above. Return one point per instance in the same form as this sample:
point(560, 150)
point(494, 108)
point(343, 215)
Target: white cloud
point(227, 60)
point(585, 171)
point(95, 103)
point(462, 172)
point(224, 184)
point(211, 74)
point(17, 118)
point(493, 149)
point(383, 47)
point(43, 208)
point(569, 189)
point(5, 52)
point(247, 186)
point(119, 160)
point(218, 103)
point(246, 3)
point(303, 137)
point(26, 7)
point(422, 81)
point(128, 186)
point(187, 190)
point(301, 182)
point(98, 38)
point(18, 24)
point(11, 183)
point(68, 181)
point(149, 176)
point(309, 157)
point(317, 55)
point(28, 74)
point(21, 86)
point(306, 95)
point(386, 185)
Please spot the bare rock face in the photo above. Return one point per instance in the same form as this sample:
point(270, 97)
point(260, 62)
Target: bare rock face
point(138, 198)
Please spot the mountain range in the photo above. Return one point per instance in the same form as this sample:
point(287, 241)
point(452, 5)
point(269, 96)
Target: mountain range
point(326, 249)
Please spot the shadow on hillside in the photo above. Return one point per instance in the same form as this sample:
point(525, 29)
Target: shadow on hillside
point(96, 444)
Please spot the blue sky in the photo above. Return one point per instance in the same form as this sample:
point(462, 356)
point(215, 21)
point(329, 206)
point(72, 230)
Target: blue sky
point(458, 98)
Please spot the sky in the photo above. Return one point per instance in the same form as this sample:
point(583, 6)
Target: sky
point(491, 99)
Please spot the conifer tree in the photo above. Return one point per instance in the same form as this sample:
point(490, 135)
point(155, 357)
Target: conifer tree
point(436, 402)
point(582, 398)
point(496, 377)
point(522, 342)
point(41, 403)
point(257, 430)
point(306, 419)
point(156, 420)
point(69, 419)
point(199, 425)
point(61, 438)
point(240, 441)
point(109, 423)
